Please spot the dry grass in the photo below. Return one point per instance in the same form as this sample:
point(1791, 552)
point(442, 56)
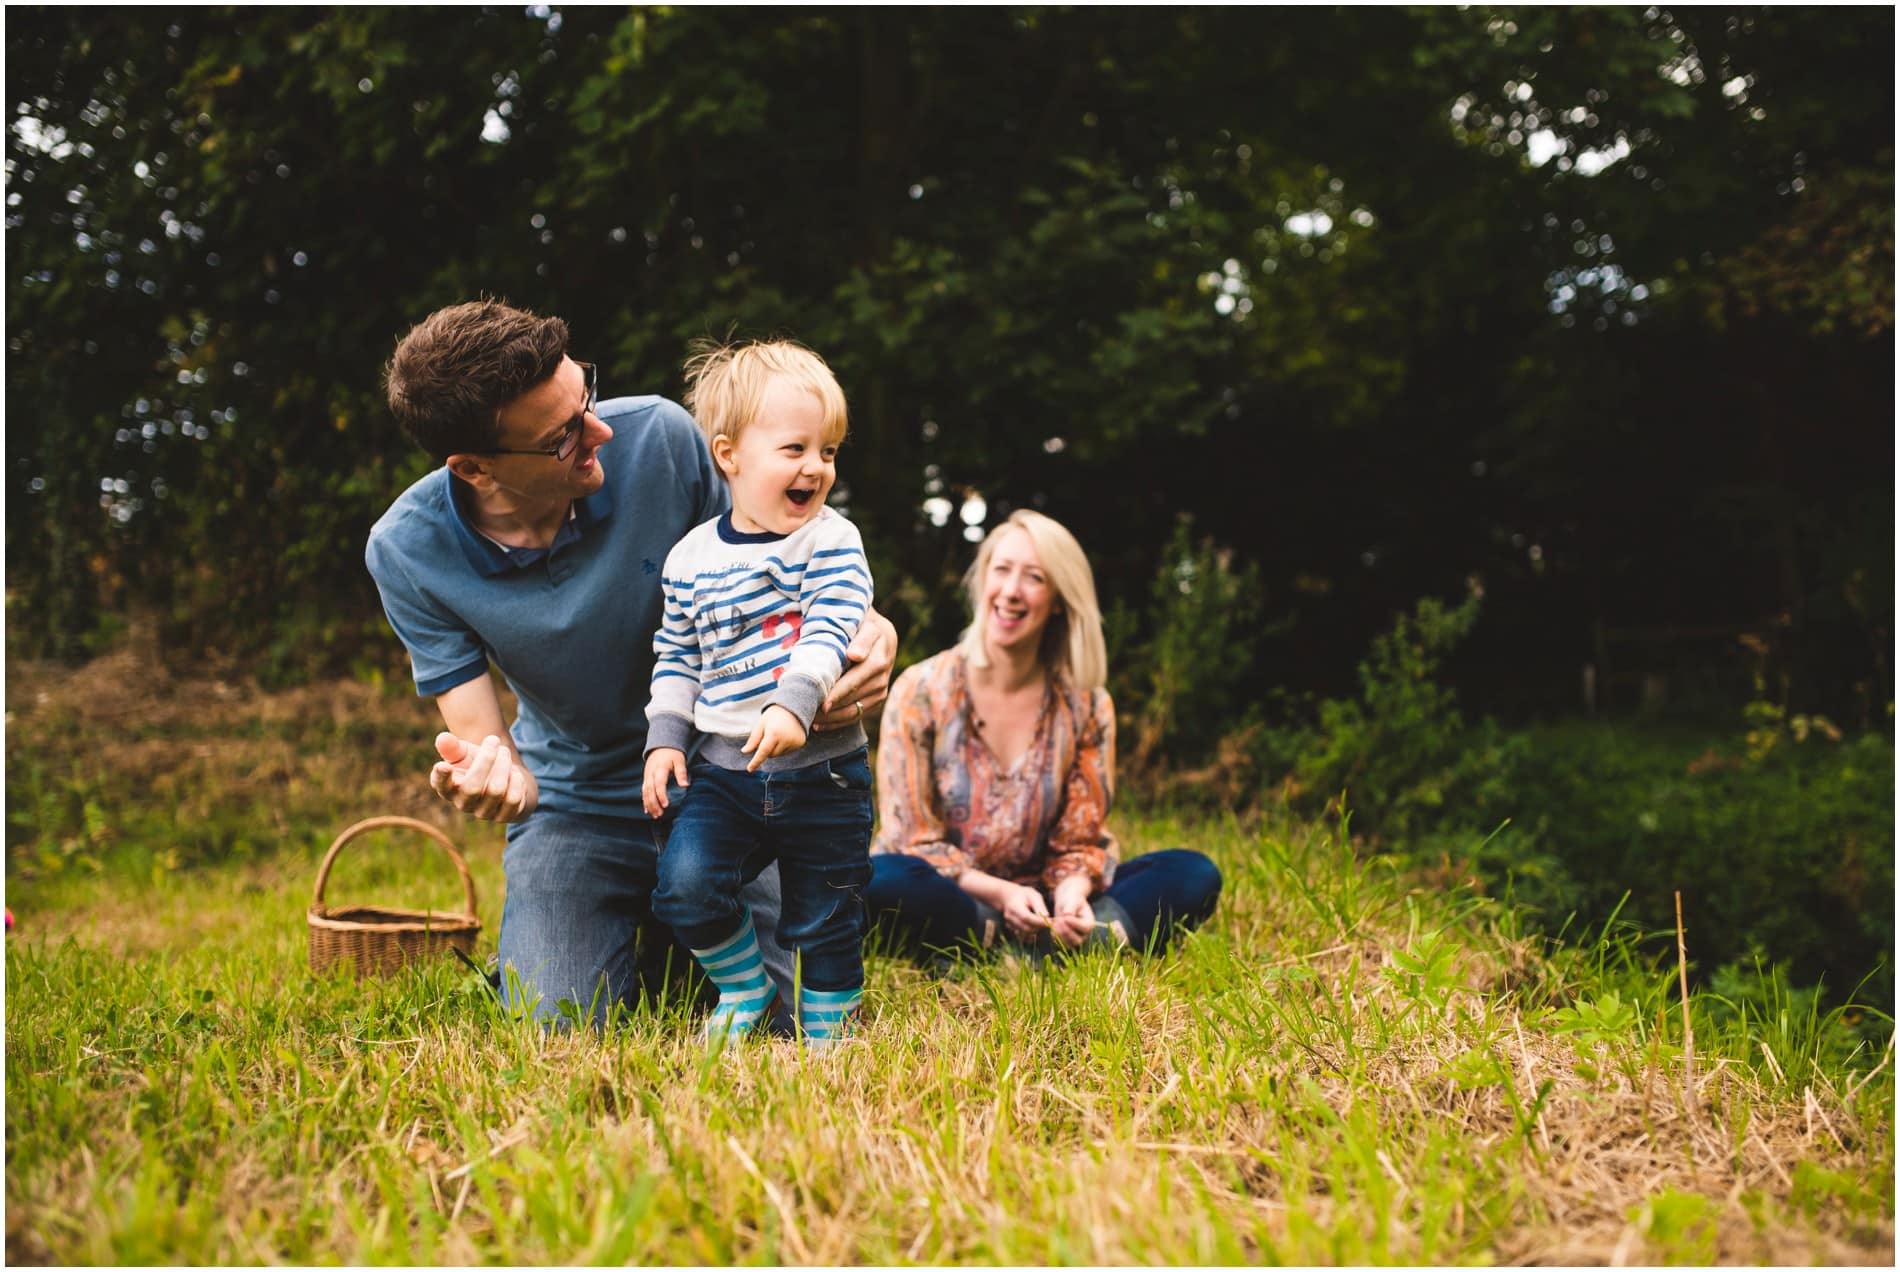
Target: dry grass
point(1343, 1068)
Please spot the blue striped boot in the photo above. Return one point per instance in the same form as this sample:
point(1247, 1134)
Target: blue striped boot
point(825, 1016)
point(745, 991)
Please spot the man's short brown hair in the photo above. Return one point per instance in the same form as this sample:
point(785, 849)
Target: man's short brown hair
point(455, 370)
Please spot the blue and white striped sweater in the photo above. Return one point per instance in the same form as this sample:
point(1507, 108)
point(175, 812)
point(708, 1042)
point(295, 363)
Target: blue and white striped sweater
point(751, 621)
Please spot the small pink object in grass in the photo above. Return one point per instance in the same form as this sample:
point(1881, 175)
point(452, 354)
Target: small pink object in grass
point(9, 919)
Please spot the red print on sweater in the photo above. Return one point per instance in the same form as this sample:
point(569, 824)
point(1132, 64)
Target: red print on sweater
point(793, 620)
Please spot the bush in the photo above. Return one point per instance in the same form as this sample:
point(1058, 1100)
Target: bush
point(1400, 755)
point(1782, 851)
point(1181, 686)
point(1790, 854)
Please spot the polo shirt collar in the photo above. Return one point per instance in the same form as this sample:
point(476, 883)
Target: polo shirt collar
point(489, 558)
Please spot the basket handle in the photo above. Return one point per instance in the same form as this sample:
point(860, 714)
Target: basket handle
point(408, 823)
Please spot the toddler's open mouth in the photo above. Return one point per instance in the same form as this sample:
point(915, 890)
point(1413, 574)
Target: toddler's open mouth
point(800, 497)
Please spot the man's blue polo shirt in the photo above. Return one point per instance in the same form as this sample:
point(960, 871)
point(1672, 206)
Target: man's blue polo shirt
point(571, 628)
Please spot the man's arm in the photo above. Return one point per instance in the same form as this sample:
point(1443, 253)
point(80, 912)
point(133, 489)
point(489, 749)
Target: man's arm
point(861, 690)
point(480, 772)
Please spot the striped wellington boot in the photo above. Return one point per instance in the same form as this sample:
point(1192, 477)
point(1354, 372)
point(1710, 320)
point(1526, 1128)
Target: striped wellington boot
point(745, 992)
point(825, 1017)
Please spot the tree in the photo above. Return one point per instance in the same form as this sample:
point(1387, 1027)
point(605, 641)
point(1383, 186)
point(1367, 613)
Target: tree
point(1300, 273)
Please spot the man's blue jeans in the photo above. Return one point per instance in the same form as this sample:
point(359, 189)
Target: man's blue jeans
point(814, 821)
point(577, 924)
point(1163, 893)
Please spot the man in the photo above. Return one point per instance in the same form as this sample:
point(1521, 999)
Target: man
point(537, 544)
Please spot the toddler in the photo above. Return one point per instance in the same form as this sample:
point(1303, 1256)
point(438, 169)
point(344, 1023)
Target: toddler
point(760, 604)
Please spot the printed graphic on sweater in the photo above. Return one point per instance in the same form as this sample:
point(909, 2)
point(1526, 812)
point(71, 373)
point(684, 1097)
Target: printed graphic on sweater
point(750, 623)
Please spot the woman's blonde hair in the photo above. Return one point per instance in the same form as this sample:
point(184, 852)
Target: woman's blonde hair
point(1072, 646)
point(726, 383)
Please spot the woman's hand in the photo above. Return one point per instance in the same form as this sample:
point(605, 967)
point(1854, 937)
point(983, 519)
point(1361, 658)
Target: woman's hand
point(1024, 911)
point(1073, 920)
point(1022, 908)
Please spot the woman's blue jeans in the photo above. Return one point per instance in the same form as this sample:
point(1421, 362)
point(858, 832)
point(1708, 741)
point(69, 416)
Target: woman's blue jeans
point(919, 911)
point(577, 924)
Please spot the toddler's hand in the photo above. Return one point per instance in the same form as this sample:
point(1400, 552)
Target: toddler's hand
point(662, 762)
point(777, 732)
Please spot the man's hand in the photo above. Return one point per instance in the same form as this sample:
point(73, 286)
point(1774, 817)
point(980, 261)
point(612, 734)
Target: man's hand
point(1073, 920)
point(484, 781)
point(777, 732)
point(861, 690)
point(662, 762)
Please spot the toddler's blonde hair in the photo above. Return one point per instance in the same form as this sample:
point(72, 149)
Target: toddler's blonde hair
point(726, 383)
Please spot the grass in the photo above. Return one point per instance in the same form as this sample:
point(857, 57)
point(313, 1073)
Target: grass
point(1344, 1067)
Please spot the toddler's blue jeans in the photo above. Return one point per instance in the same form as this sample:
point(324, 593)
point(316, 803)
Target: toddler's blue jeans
point(815, 822)
point(577, 924)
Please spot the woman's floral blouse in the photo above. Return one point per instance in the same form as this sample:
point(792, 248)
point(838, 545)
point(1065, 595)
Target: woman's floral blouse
point(945, 797)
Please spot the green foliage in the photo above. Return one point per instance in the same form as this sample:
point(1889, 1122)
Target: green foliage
point(1817, 1188)
point(1680, 1226)
point(161, 785)
point(1427, 965)
point(1597, 1021)
point(1393, 741)
point(1843, 239)
point(1151, 287)
point(1788, 1023)
point(1182, 684)
point(1784, 850)
point(1400, 754)
point(1791, 855)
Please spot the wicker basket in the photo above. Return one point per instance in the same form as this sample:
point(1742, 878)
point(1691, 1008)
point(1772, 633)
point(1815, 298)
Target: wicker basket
point(378, 939)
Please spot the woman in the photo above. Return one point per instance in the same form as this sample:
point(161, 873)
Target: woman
point(995, 768)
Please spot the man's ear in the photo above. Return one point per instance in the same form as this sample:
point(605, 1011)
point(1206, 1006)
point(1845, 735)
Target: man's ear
point(722, 453)
point(468, 467)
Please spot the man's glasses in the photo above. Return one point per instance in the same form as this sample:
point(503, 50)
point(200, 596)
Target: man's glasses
point(571, 435)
